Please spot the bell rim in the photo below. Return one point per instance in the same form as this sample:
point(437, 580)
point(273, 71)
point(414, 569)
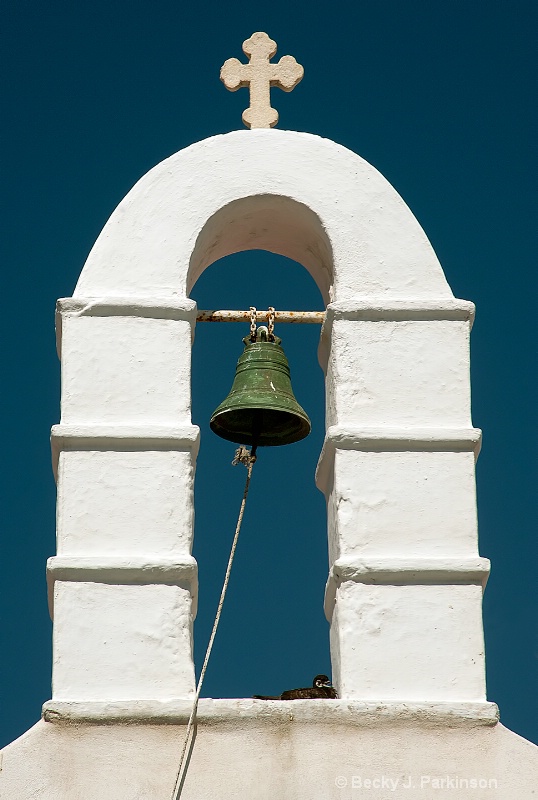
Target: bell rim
point(301, 433)
point(295, 434)
point(297, 410)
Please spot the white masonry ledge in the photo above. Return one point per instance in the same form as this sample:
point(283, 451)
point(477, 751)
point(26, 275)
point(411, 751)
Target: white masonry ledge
point(123, 571)
point(409, 571)
point(72, 434)
point(392, 308)
point(159, 307)
point(393, 439)
point(374, 308)
point(356, 437)
point(129, 305)
point(122, 437)
point(250, 711)
point(175, 307)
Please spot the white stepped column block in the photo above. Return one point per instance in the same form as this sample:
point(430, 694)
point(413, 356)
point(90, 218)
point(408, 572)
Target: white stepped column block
point(123, 586)
point(405, 584)
point(125, 370)
point(117, 642)
point(145, 500)
point(399, 372)
point(405, 642)
point(402, 503)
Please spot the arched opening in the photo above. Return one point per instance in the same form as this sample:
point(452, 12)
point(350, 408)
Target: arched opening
point(266, 222)
point(273, 634)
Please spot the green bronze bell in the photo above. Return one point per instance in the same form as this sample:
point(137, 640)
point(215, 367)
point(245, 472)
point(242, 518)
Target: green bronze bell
point(261, 409)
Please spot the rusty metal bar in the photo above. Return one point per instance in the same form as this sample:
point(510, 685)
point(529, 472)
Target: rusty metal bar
point(304, 317)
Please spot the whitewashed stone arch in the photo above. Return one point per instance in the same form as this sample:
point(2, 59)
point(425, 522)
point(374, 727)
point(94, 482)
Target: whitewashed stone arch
point(397, 468)
point(379, 249)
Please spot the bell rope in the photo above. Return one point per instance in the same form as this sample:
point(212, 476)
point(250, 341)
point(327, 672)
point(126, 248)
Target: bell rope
point(248, 458)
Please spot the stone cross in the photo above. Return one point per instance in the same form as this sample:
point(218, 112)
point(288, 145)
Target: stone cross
point(259, 75)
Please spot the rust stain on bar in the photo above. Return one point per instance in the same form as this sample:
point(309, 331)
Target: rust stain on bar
point(304, 317)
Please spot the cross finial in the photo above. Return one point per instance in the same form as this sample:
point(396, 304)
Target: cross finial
point(259, 75)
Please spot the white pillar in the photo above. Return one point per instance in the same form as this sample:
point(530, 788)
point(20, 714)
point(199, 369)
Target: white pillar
point(123, 585)
point(405, 585)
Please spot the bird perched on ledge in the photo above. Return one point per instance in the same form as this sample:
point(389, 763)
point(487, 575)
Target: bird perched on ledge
point(321, 688)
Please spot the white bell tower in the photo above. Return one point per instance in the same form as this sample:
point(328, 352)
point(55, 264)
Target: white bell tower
point(405, 578)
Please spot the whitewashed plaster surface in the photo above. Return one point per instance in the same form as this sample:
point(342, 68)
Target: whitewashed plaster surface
point(142, 508)
point(270, 755)
point(406, 505)
point(164, 233)
point(117, 369)
point(136, 628)
point(405, 578)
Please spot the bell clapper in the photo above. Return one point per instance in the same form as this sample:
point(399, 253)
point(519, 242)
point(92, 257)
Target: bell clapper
point(244, 456)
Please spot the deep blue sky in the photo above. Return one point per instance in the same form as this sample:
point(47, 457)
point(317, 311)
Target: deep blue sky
point(441, 98)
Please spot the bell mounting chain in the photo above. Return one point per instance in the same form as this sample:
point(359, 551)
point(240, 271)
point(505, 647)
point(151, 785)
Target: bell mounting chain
point(304, 317)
